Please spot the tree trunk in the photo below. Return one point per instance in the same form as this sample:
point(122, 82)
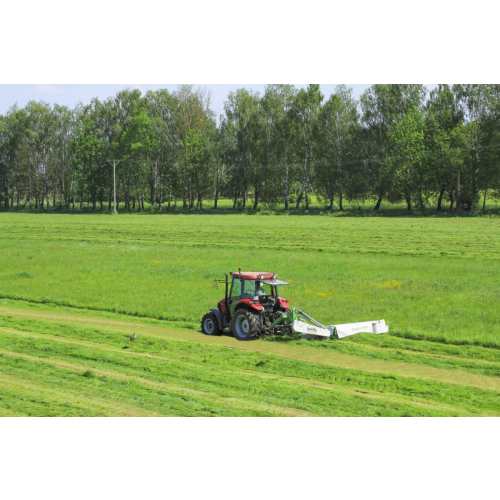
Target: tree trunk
point(286, 188)
point(452, 202)
point(55, 191)
point(185, 195)
point(330, 207)
point(408, 202)
point(341, 204)
point(160, 201)
point(339, 169)
point(244, 200)
point(256, 200)
point(216, 197)
point(299, 198)
point(459, 208)
point(235, 199)
point(12, 193)
point(379, 201)
point(307, 192)
point(440, 199)
point(484, 199)
point(474, 191)
point(155, 181)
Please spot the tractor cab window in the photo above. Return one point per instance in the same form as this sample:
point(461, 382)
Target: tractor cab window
point(236, 288)
point(256, 288)
point(263, 290)
point(248, 289)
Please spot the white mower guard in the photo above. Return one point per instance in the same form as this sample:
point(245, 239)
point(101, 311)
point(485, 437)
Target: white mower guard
point(347, 329)
point(308, 331)
point(317, 330)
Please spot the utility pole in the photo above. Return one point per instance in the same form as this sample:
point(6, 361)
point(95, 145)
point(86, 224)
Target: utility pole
point(114, 163)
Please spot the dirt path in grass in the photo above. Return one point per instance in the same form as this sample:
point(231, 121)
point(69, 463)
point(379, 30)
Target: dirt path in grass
point(302, 353)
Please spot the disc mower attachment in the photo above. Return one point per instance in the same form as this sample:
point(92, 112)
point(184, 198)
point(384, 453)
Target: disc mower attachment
point(308, 331)
point(348, 329)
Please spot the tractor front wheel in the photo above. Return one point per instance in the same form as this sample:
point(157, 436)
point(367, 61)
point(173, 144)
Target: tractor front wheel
point(246, 325)
point(210, 324)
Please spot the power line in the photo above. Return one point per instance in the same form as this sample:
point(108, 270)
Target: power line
point(347, 162)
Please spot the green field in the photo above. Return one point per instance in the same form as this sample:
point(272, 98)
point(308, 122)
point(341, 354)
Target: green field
point(74, 287)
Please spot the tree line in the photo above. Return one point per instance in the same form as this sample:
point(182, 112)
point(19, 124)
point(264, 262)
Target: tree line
point(396, 143)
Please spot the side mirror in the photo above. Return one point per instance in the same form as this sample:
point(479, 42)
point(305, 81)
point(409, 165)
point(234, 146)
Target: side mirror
point(215, 285)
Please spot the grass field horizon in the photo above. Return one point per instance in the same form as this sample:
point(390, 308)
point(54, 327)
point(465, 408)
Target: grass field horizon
point(433, 279)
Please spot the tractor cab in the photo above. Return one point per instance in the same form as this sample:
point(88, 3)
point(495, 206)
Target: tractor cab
point(253, 295)
point(253, 289)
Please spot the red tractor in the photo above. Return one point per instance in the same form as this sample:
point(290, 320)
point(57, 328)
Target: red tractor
point(251, 306)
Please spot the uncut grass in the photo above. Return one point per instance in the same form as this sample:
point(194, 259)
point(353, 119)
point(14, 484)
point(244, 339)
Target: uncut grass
point(205, 368)
point(429, 278)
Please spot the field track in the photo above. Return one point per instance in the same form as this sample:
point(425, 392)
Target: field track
point(41, 327)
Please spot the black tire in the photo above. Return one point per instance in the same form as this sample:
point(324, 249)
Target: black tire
point(246, 325)
point(210, 324)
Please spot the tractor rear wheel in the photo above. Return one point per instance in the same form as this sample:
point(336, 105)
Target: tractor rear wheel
point(246, 325)
point(210, 324)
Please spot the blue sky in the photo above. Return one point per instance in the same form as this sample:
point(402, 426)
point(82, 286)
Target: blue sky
point(70, 95)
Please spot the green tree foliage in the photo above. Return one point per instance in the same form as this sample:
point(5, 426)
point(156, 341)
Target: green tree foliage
point(406, 160)
point(337, 131)
point(306, 108)
point(89, 159)
point(396, 143)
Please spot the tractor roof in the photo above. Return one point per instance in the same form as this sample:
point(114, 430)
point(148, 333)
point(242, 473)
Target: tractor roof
point(253, 275)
